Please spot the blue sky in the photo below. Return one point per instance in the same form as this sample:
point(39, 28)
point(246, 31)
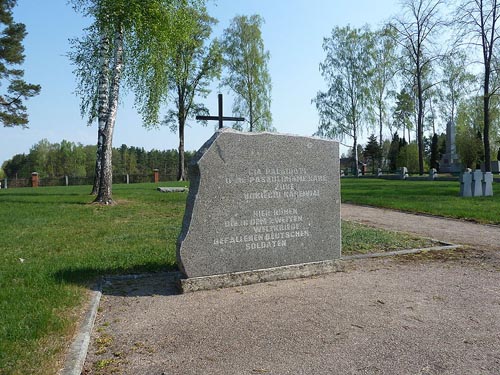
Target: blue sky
point(293, 33)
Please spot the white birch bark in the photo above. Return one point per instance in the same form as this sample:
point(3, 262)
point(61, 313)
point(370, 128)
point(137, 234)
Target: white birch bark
point(103, 99)
point(104, 195)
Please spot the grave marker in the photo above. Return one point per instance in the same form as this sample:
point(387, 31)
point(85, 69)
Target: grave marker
point(466, 184)
point(257, 202)
point(477, 183)
point(487, 184)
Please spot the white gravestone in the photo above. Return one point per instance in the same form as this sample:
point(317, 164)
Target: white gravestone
point(477, 183)
point(466, 184)
point(403, 173)
point(433, 174)
point(487, 184)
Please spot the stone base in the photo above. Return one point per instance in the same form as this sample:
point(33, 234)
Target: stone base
point(228, 280)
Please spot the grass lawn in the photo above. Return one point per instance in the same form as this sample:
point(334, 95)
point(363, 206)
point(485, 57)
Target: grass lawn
point(433, 197)
point(53, 245)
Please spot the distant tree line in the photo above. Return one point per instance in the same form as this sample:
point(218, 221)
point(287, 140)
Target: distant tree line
point(406, 79)
point(56, 160)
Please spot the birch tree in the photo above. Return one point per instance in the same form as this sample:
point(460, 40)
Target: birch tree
point(193, 65)
point(125, 45)
point(247, 75)
point(345, 105)
point(478, 22)
point(384, 71)
point(417, 30)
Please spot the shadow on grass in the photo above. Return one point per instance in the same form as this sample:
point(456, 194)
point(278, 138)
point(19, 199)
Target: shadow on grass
point(127, 279)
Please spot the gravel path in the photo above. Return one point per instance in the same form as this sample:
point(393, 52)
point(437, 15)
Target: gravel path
point(433, 313)
point(453, 231)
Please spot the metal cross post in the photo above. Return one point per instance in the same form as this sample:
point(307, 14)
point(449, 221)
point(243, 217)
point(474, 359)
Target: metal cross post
point(220, 118)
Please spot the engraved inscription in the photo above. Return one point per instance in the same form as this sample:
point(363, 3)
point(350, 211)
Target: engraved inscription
point(271, 228)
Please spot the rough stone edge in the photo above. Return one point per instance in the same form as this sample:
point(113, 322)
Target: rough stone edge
point(77, 353)
point(295, 271)
point(233, 279)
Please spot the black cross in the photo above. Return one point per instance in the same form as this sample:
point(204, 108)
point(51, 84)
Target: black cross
point(220, 118)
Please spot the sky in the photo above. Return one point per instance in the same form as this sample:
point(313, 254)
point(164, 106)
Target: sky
point(293, 33)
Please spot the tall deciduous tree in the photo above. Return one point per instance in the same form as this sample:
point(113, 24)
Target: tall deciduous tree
point(456, 83)
point(127, 43)
point(12, 108)
point(384, 71)
point(416, 29)
point(478, 21)
point(193, 65)
point(343, 108)
point(247, 75)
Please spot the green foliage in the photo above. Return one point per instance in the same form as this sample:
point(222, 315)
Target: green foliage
point(246, 73)
point(433, 197)
point(477, 23)
point(384, 71)
point(470, 122)
point(13, 112)
point(408, 157)
point(55, 160)
point(393, 153)
point(435, 156)
point(469, 147)
point(192, 65)
point(347, 69)
point(456, 84)
point(404, 111)
point(373, 152)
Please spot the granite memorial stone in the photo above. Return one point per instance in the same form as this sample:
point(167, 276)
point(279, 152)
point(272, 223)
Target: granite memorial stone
point(259, 201)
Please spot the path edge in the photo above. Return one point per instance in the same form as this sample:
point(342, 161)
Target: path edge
point(77, 353)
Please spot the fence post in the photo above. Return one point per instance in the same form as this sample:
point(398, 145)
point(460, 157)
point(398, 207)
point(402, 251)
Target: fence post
point(157, 175)
point(34, 179)
point(128, 179)
point(66, 179)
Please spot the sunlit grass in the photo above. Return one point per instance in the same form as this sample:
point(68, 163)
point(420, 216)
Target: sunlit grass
point(55, 244)
point(432, 197)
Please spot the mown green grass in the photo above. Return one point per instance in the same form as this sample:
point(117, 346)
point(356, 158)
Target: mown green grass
point(360, 239)
point(433, 197)
point(54, 244)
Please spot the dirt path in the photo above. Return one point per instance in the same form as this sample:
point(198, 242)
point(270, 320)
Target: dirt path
point(452, 231)
point(432, 313)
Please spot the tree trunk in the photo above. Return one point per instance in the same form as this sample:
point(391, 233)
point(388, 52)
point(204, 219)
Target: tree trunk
point(486, 114)
point(381, 125)
point(102, 115)
point(104, 195)
point(181, 174)
point(420, 123)
point(355, 147)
